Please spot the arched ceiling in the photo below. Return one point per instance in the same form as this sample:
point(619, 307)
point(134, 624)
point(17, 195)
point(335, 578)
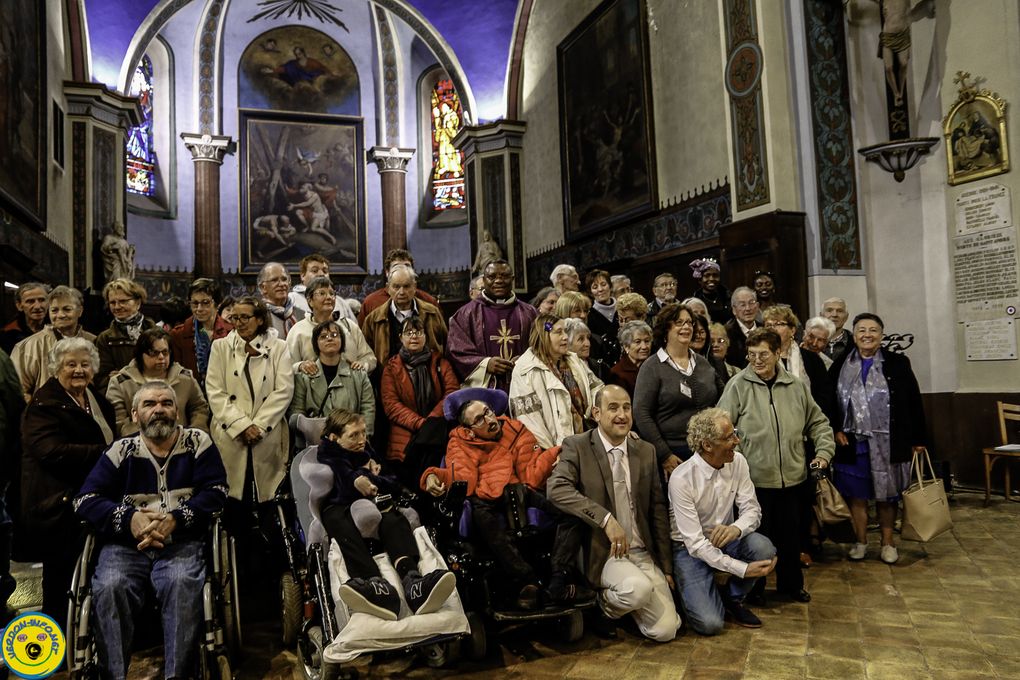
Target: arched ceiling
point(480, 38)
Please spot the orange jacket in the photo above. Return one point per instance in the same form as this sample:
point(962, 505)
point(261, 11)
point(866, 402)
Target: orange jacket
point(488, 466)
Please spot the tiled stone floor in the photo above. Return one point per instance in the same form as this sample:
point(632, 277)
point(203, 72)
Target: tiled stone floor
point(947, 610)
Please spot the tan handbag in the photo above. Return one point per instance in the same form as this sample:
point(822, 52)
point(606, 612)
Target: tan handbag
point(830, 508)
point(925, 507)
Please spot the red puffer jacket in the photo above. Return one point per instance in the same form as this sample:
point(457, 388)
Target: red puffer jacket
point(397, 394)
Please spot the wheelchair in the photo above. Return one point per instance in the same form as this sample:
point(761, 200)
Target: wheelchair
point(220, 639)
point(330, 636)
point(479, 581)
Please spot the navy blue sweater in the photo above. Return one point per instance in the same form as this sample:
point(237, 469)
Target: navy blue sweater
point(191, 485)
point(347, 466)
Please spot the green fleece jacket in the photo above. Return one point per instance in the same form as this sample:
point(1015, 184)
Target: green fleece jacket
point(774, 422)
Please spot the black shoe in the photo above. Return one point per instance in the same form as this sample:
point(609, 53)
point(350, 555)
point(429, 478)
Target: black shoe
point(560, 591)
point(426, 594)
point(373, 596)
point(800, 596)
point(528, 598)
point(741, 615)
point(603, 626)
point(756, 599)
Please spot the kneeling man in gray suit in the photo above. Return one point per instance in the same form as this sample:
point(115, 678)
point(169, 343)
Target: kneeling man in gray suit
point(611, 481)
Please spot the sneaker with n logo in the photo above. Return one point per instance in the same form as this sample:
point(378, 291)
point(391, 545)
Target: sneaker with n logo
point(426, 594)
point(373, 596)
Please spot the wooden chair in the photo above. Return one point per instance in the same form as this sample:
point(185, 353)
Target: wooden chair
point(1006, 412)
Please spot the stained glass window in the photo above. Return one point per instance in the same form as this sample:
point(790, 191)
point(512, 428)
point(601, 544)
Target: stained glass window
point(447, 162)
point(141, 155)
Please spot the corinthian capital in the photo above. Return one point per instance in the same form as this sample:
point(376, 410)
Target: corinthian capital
point(210, 148)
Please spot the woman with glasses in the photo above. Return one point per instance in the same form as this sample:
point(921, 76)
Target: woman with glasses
point(415, 381)
point(321, 299)
point(551, 389)
point(672, 385)
point(116, 344)
point(192, 339)
point(776, 414)
point(154, 360)
point(335, 384)
point(250, 384)
point(804, 365)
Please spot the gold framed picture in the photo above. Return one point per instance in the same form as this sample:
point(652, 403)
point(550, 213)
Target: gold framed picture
point(975, 132)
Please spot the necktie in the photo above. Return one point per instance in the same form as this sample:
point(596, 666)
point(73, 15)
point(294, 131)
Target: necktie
point(624, 511)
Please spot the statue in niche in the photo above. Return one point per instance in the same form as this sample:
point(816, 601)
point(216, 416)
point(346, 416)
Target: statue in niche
point(488, 250)
point(894, 40)
point(118, 254)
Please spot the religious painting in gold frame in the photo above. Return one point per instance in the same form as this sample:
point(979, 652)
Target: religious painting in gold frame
point(975, 133)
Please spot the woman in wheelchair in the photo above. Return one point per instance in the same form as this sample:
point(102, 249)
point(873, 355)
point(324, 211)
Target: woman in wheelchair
point(360, 505)
point(498, 457)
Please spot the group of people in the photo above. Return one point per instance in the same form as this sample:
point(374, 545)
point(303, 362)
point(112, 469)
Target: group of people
point(666, 440)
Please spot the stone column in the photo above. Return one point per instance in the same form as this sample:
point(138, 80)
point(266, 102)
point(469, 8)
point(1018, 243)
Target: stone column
point(493, 162)
point(207, 151)
point(392, 164)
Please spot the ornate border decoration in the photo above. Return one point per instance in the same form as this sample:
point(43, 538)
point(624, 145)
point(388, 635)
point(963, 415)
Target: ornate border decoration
point(744, 67)
point(839, 228)
point(689, 221)
point(388, 64)
point(975, 132)
point(208, 69)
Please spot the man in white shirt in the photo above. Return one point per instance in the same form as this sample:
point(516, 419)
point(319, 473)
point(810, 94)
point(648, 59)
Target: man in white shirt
point(706, 537)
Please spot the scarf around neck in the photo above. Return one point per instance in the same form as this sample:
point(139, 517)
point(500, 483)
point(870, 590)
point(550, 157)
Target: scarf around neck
point(203, 343)
point(418, 368)
point(608, 311)
point(131, 327)
point(284, 313)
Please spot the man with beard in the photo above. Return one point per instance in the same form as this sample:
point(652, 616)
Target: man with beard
point(150, 498)
point(710, 290)
point(490, 332)
point(490, 452)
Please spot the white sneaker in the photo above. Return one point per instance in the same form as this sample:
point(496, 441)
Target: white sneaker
point(858, 552)
point(889, 554)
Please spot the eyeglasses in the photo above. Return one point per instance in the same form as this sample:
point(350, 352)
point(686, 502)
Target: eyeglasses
point(120, 302)
point(759, 356)
point(332, 335)
point(745, 304)
point(775, 324)
point(667, 284)
point(686, 323)
point(240, 318)
point(480, 420)
point(158, 353)
point(732, 436)
point(413, 334)
point(201, 303)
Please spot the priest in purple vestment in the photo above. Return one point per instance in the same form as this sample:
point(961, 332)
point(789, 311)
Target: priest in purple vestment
point(488, 334)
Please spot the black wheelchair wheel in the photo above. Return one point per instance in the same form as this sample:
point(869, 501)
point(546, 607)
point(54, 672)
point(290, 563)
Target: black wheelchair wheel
point(292, 608)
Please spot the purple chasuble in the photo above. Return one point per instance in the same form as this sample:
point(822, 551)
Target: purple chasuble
point(482, 329)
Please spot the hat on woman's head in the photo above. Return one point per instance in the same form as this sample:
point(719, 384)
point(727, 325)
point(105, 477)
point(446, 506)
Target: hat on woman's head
point(702, 265)
point(497, 400)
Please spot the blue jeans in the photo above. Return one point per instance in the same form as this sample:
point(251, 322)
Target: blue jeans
point(119, 586)
point(695, 581)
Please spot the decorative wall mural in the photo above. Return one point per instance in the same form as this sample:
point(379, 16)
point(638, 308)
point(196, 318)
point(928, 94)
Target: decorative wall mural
point(295, 68)
point(23, 109)
point(975, 132)
point(302, 189)
point(607, 150)
point(744, 70)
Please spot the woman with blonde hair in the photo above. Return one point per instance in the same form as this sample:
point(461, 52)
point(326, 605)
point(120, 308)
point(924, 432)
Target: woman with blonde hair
point(551, 389)
point(116, 344)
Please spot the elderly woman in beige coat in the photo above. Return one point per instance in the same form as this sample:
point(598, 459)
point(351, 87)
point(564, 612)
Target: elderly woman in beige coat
point(250, 383)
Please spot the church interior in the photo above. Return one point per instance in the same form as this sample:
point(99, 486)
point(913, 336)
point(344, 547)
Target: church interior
point(852, 148)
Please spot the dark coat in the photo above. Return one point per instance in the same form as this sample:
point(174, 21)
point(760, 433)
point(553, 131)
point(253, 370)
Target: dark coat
point(116, 350)
point(736, 355)
point(397, 396)
point(604, 343)
point(61, 444)
point(907, 425)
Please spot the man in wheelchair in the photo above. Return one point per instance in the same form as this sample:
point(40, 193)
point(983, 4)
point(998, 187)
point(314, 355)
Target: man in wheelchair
point(494, 455)
point(151, 498)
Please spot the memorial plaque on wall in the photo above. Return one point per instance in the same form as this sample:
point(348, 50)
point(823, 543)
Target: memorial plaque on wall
point(992, 340)
point(985, 275)
point(983, 208)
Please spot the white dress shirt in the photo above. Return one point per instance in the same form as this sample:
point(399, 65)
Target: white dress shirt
point(703, 497)
point(636, 541)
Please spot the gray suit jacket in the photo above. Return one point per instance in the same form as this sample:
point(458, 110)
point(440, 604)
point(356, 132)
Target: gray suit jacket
point(582, 484)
